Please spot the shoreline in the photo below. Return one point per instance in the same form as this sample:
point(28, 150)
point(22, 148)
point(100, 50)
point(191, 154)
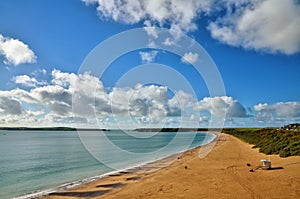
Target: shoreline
point(143, 167)
point(223, 173)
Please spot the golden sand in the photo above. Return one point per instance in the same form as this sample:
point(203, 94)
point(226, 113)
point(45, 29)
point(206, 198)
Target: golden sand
point(223, 173)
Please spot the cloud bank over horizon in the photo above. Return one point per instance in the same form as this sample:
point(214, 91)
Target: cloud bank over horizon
point(47, 99)
point(41, 103)
point(240, 23)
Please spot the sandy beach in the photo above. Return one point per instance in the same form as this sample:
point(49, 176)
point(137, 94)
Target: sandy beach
point(223, 173)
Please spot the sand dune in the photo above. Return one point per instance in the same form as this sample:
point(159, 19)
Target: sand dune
point(223, 173)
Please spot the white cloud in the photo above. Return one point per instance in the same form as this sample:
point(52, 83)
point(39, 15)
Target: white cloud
point(15, 51)
point(150, 29)
point(178, 14)
point(280, 109)
point(151, 44)
point(10, 106)
point(218, 106)
point(56, 98)
point(182, 99)
point(27, 81)
point(260, 107)
point(84, 90)
point(63, 79)
point(168, 42)
point(148, 57)
point(271, 25)
point(277, 114)
point(190, 57)
point(21, 95)
point(66, 120)
point(150, 101)
point(51, 105)
point(200, 119)
point(39, 72)
point(28, 118)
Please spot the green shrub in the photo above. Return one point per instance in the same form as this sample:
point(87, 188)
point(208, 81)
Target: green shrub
point(269, 141)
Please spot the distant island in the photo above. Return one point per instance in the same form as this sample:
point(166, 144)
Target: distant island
point(94, 129)
point(48, 129)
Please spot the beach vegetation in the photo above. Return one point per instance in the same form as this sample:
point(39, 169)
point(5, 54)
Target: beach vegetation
point(285, 143)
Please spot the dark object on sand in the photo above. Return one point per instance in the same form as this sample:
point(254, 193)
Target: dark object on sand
point(185, 167)
point(133, 178)
point(113, 185)
point(248, 164)
point(86, 194)
point(251, 170)
point(117, 174)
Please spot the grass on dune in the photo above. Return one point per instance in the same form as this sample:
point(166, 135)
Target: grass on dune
point(269, 140)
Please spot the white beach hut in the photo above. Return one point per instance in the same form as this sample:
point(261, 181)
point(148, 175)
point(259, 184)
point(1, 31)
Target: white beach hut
point(266, 164)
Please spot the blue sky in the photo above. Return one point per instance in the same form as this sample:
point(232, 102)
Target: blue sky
point(257, 56)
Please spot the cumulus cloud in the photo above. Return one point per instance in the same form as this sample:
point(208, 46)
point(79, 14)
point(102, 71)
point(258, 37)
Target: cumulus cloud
point(10, 106)
point(27, 81)
point(150, 101)
point(176, 13)
point(168, 42)
point(55, 101)
point(200, 119)
point(182, 100)
point(148, 57)
point(21, 95)
point(223, 106)
point(56, 98)
point(85, 90)
point(52, 104)
point(280, 109)
point(270, 25)
point(15, 52)
point(190, 57)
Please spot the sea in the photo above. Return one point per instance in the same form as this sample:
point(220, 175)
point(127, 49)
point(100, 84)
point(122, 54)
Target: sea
point(39, 162)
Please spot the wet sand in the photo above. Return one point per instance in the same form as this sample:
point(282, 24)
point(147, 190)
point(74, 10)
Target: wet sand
point(223, 173)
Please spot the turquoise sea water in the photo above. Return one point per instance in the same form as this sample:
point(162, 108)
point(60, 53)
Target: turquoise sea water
point(37, 160)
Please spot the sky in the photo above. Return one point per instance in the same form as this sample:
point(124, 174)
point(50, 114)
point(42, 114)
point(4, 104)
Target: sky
point(162, 63)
